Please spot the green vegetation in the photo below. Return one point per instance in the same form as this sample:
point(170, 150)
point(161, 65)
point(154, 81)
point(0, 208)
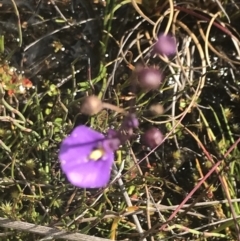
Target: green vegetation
point(54, 54)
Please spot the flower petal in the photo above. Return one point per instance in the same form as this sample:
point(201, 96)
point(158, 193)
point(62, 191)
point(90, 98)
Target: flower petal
point(91, 174)
point(76, 148)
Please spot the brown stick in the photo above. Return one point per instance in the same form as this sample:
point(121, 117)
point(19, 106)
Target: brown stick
point(47, 231)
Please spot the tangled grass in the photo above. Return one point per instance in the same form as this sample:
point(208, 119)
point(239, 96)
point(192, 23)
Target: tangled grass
point(54, 53)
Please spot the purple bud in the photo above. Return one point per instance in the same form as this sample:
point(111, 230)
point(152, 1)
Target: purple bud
point(165, 45)
point(152, 138)
point(113, 140)
point(149, 78)
point(130, 121)
point(91, 105)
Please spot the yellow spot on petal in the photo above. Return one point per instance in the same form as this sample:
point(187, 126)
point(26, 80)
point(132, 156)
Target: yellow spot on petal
point(96, 154)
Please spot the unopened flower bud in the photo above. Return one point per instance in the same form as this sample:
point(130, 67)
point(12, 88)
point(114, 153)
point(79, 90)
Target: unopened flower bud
point(152, 138)
point(113, 140)
point(149, 78)
point(130, 121)
point(91, 105)
point(156, 109)
point(165, 45)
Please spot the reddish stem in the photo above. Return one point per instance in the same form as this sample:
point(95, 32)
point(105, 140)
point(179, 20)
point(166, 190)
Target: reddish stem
point(189, 11)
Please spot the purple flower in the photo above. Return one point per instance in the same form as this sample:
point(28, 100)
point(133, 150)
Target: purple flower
point(165, 45)
point(86, 157)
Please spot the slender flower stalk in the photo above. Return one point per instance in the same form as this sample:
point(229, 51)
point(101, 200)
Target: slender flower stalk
point(92, 105)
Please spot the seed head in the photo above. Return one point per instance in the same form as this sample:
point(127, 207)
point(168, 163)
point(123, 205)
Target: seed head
point(149, 78)
point(152, 138)
point(91, 105)
point(156, 109)
point(165, 45)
